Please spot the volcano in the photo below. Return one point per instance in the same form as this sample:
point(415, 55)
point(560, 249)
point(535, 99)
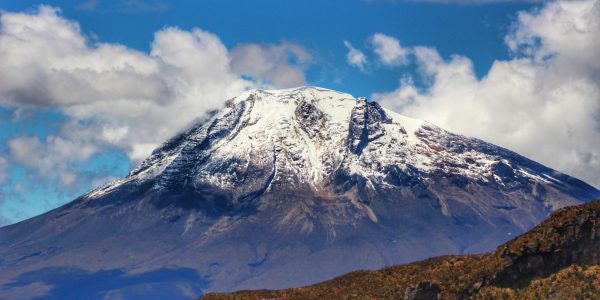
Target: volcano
point(282, 188)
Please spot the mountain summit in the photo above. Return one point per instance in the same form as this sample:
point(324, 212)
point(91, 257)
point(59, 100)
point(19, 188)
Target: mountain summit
point(279, 189)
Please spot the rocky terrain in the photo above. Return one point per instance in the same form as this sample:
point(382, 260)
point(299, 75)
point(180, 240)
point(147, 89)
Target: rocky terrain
point(557, 259)
point(281, 189)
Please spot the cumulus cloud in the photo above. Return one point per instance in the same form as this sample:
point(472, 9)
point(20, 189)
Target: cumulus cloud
point(45, 61)
point(388, 50)
point(355, 57)
point(117, 96)
point(128, 98)
point(543, 103)
point(280, 65)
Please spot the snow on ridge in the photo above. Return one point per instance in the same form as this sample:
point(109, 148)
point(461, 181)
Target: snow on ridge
point(266, 129)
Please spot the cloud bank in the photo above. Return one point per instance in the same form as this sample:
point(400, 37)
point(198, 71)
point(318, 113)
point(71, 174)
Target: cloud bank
point(130, 99)
point(544, 103)
point(115, 97)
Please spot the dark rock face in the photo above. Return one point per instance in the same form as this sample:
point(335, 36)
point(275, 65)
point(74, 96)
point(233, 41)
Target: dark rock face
point(365, 125)
point(399, 177)
point(423, 291)
point(197, 142)
point(576, 240)
point(310, 117)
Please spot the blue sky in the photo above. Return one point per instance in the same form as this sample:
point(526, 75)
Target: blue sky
point(476, 31)
point(59, 140)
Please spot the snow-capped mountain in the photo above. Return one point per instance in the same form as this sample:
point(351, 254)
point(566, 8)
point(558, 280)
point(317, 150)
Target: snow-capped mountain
point(283, 188)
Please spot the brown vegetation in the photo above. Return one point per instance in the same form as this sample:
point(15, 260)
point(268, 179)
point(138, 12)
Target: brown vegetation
point(555, 260)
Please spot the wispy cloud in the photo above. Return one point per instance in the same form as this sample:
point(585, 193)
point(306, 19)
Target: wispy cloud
point(3, 169)
point(126, 6)
point(355, 57)
point(115, 97)
point(277, 64)
point(88, 5)
point(3, 220)
point(388, 50)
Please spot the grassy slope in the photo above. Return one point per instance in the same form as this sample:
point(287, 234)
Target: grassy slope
point(549, 261)
point(573, 282)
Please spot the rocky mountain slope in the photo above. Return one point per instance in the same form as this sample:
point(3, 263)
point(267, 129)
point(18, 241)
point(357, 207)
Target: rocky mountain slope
point(557, 259)
point(280, 189)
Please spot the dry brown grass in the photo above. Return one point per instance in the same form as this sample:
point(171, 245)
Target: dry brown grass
point(547, 262)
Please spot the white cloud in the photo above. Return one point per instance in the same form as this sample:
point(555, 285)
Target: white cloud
point(3, 169)
point(388, 50)
point(114, 96)
point(54, 158)
point(3, 220)
point(117, 96)
point(123, 6)
point(280, 65)
point(544, 103)
point(569, 30)
point(355, 57)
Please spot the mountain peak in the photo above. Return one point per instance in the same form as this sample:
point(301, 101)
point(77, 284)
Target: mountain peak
point(284, 188)
point(301, 133)
point(311, 138)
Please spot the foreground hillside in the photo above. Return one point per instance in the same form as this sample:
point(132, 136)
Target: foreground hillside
point(557, 259)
